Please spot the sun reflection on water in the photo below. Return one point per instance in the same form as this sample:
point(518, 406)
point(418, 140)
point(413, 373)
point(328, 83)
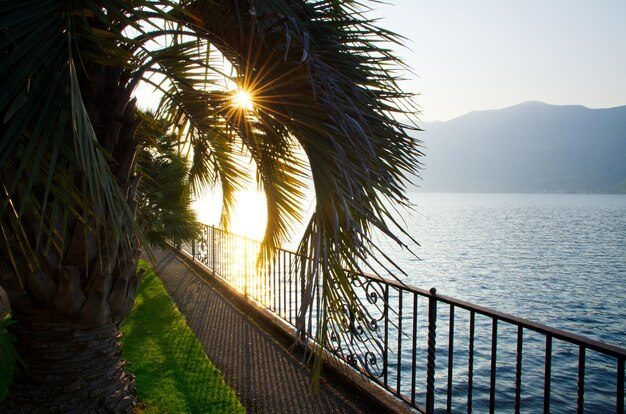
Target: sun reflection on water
point(249, 216)
point(238, 258)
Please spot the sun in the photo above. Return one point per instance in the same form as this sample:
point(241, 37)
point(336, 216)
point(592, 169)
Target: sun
point(250, 215)
point(242, 98)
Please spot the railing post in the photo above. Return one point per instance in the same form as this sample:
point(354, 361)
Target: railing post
point(620, 386)
point(430, 364)
point(245, 267)
point(212, 247)
point(193, 249)
point(301, 316)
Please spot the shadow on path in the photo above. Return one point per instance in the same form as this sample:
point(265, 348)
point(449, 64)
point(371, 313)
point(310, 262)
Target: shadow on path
point(266, 377)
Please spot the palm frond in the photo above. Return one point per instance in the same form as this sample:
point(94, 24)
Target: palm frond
point(327, 104)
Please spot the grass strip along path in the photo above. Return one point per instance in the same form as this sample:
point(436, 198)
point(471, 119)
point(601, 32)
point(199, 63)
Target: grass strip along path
point(172, 371)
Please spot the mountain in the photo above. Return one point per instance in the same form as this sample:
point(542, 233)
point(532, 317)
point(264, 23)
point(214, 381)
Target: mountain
point(531, 147)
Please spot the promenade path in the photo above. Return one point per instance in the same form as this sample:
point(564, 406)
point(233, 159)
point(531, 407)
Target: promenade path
point(267, 377)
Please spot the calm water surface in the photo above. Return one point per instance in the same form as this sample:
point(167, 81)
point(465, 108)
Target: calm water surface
point(553, 258)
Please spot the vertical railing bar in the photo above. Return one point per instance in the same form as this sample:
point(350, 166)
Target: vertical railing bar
point(255, 280)
point(272, 274)
point(399, 366)
point(386, 349)
point(252, 269)
point(318, 305)
point(450, 359)
point(213, 249)
point(225, 253)
point(294, 287)
point(492, 374)
point(269, 300)
point(209, 248)
point(251, 277)
point(275, 289)
point(290, 287)
point(249, 283)
point(580, 394)
point(205, 236)
point(252, 281)
point(222, 259)
point(470, 362)
point(271, 267)
point(518, 368)
point(255, 270)
point(293, 268)
point(227, 250)
point(285, 287)
point(620, 386)
point(218, 250)
point(280, 284)
point(414, 348)
point(430, 358)
point(232, 251)
point(547, 375)
point(302, 304)
point(266, 287)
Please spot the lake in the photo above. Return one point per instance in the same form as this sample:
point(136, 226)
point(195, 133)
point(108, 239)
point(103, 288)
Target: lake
point(559, 259)
point(552, 258)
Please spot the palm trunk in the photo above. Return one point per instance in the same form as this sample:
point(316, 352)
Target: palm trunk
point(69, 307)
point(69, 370)
point(67, 342)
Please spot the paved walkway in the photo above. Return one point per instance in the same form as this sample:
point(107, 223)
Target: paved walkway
point(265, 375)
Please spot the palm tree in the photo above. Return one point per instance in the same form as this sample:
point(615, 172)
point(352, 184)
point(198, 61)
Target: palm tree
point(326, 103)
point(164, 212)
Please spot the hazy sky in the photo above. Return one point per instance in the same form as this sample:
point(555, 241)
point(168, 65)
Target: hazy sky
point(487, 54)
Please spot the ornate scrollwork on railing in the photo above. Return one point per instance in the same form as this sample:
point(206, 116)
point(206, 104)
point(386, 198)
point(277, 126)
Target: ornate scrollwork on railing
point(202, 245)
point(376, 298)
point(355, 333)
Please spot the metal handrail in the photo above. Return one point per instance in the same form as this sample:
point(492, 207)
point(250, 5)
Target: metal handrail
point(394, 354)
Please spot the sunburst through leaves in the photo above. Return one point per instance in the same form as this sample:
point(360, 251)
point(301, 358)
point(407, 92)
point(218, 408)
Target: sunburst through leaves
point(242, 99)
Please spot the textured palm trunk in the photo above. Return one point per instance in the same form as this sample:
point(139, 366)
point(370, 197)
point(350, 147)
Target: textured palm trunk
point(69, 370)
point(68, 312)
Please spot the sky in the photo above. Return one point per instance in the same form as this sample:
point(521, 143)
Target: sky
point(489, 54)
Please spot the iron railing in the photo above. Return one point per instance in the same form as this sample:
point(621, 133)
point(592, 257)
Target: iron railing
point(434, 352)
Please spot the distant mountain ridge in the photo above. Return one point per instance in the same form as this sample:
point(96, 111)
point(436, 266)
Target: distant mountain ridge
point(532, 147)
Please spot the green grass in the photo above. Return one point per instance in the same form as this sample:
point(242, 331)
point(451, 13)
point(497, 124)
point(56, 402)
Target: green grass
point(172, 371)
